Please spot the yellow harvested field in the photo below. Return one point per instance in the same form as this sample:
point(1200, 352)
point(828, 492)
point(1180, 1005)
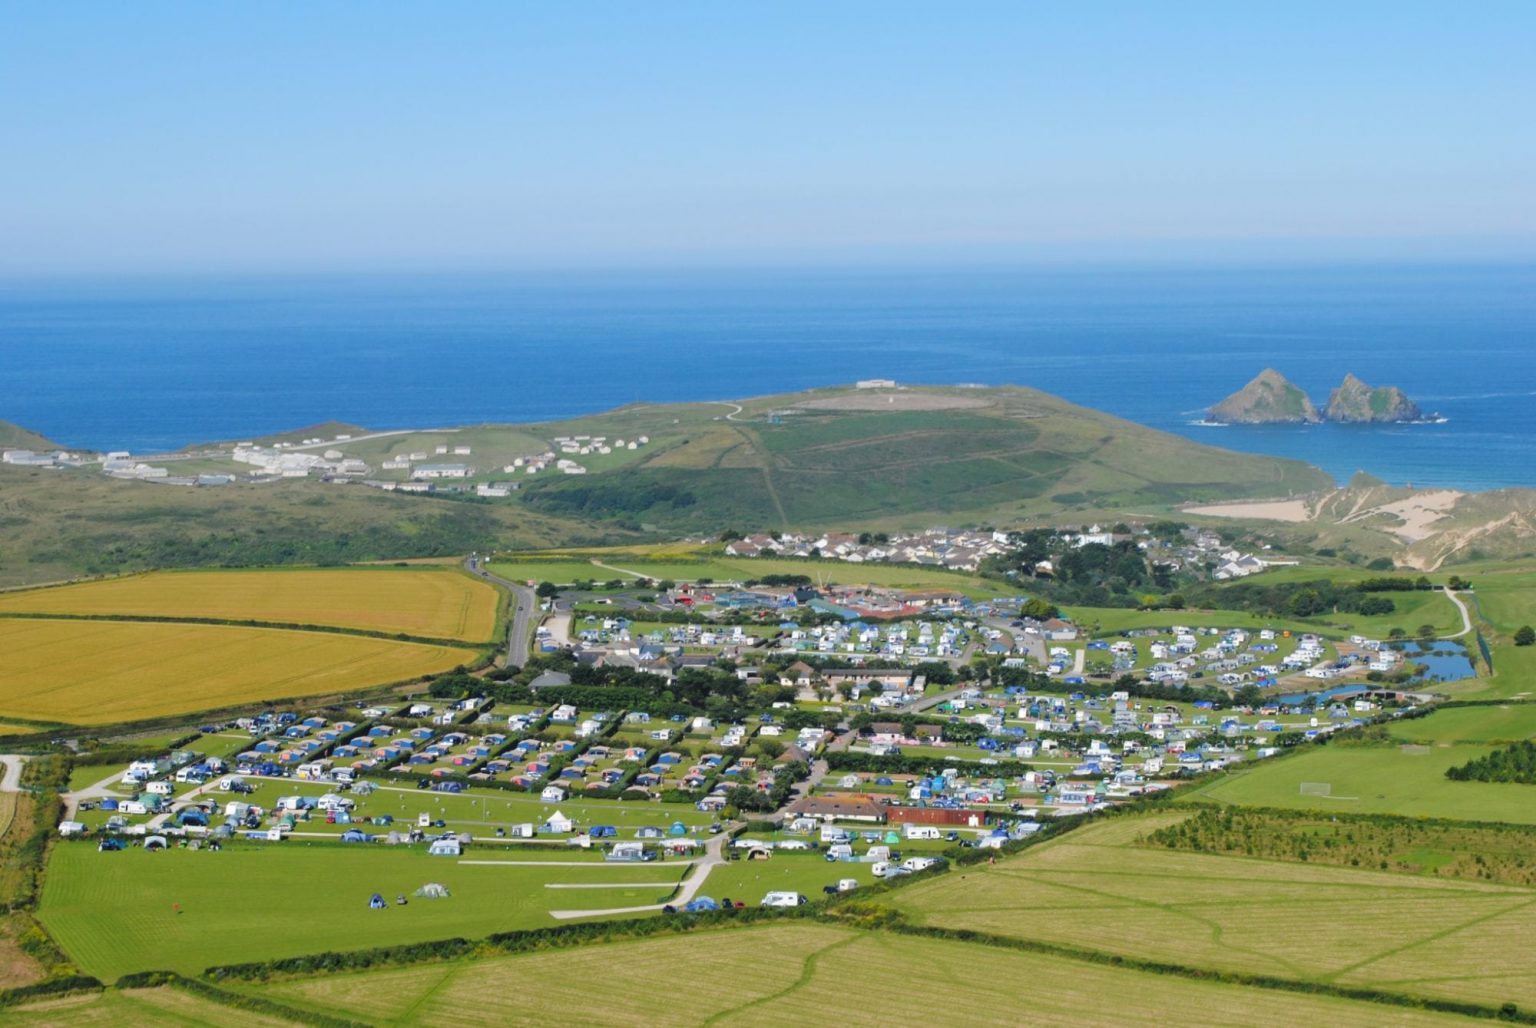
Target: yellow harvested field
point(442, 604)
point(1421, 935)
point(98, 672)
point(795, 974)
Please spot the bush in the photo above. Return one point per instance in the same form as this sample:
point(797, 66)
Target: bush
point(1525, 636)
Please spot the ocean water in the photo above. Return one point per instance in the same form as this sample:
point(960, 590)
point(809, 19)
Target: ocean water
point(152, 365)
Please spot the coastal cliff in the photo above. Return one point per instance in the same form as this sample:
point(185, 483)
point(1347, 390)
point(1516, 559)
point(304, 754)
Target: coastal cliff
point(1354, 401)
point(1270, 398)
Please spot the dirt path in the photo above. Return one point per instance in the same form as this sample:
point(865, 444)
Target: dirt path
point(10, 781)
point(1466, 616)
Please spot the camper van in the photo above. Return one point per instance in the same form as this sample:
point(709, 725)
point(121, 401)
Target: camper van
point(783, 899)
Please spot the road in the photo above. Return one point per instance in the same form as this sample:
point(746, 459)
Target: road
point(10, 781)
point(524, 604)
point(96, 791)
point(714, 856)
point(1466, 616)
point(727, 403)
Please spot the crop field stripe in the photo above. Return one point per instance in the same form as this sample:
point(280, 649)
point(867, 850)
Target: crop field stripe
point(807, 973)
point(1433, 937)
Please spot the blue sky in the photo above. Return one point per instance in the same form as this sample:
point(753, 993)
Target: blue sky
point(153, 136)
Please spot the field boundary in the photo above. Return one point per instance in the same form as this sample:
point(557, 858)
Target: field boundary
point(281, 626)
point(1384, 997)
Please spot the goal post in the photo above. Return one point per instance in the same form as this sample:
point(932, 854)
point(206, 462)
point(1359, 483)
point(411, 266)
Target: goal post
point(1316, 788)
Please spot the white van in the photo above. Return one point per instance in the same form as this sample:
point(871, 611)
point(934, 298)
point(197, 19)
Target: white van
point(915, 864)
point(783, 899)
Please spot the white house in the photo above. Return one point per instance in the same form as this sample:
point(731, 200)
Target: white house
point(552, 794)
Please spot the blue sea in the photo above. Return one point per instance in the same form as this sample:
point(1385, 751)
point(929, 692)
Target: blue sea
point(152, 365)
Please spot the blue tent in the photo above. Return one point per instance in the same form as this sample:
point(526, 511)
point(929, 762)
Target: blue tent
point(376, 902)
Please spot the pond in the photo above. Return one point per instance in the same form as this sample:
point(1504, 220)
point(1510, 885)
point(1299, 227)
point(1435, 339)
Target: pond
point(1447, 660)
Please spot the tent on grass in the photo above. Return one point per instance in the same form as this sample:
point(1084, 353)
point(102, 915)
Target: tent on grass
point(432, 890)
point(376, 902)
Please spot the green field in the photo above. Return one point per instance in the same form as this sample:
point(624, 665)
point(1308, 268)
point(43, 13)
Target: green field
point(631, 564)
point(1506, 600)
point(1413, 609)
point(1503, 723)
point(796, 974)
point(1384, 779)
point(1095, 888)
point(116, 912)
point(481, 810)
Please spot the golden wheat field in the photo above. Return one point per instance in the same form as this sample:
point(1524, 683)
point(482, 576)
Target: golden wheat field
point(98, 672)
point(440, 603)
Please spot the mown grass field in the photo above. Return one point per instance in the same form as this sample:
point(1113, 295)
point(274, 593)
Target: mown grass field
point(795, 973)
point(1095, 888)
point(1502, 723)
point(1385, 779)
point(117, 1008)
point(99, 672)
point(440, 604)
point(114, 913)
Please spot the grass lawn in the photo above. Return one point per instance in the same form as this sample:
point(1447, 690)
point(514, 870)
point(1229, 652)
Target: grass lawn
point(83, 775)
point(436, 603)
point(98, 672)
point(560, 572)
point(793, 973)
point(115, 912)
point(1096, 888)
point(748, 880)
point(1377, 780)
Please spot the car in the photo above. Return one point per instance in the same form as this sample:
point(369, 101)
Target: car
point(439, 823)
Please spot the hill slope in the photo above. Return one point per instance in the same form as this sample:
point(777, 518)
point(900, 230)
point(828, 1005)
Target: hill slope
point(1354, 401)
point(1270, 398)
point(14, 437)
point(919, 454)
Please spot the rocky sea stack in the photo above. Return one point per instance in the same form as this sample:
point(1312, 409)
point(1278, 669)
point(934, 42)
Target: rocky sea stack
point(1355, 401)
point(1269, 399)
point(1273, 399)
